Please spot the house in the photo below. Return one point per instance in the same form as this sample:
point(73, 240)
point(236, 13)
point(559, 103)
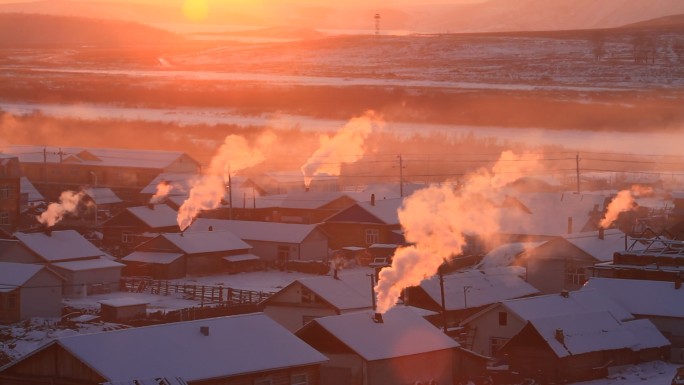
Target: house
point(399, 348)
point(85, 268)
point(486, 331)
point(175, 255)
point(273, 241)
point(28, 290)
point(125, 171)
point(365, 224)
point(308, 298)
point(136, 225)
point(283, 182)
point(179, 183)
point(466, 293)
point(105, 201)
point(303, 207)
point(10, 193)
point(30, 196)
point(655, 259)
point(243, 349)
point(658, 301)
point(562, 263)
point(578, 347)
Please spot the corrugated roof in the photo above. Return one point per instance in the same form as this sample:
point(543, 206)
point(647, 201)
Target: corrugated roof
point(155, 216)
point(59, 245)
point(234, 345)
point(206, 241)
point(256, 231)
point(402, 333)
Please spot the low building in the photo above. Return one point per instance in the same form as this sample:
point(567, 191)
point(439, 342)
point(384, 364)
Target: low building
point(136, 225)
point(10, 193)
point(122, 309)
point(244, 349)
point(28, 290)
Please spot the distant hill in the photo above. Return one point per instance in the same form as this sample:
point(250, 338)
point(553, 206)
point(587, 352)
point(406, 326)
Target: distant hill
point(32, 29)
point(667, 21)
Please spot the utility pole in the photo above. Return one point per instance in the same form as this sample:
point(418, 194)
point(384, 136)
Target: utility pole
point(372, 287)
point(465, 298)
point(45, 170)
point(441, 291)
point(230, 197)
point(401, 176)
point(577, 159)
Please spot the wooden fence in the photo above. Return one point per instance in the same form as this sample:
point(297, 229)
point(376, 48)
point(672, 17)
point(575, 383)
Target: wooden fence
point(205, 294)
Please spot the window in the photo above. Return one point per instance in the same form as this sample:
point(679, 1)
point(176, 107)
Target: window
point(4, 191)
point(574, 275)
point(299, 379)
point(496, 343)
point(4, 218)
point(126, 237)
point(372, 236)
point(503, 318)
point(283, 253)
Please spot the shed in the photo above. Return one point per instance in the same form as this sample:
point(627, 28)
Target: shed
point(123, 309)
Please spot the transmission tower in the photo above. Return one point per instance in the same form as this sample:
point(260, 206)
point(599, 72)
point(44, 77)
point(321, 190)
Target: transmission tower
point(377, 23)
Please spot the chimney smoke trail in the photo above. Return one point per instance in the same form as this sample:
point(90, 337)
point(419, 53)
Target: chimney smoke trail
point(623, 201)
point(163, 190)
point(68, 203)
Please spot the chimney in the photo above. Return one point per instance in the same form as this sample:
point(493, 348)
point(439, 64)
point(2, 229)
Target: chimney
point(48, 231)
point(601, 233)
point(565, 294)
point(569, 225)
point(306, 189)
point(150, 206)
point(377, 318)
point(560, 337)
point(335, 274)
point(204, 330)
point(211, 228)
point(372, 199)
point(678, 282)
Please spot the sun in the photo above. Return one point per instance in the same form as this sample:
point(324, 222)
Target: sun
point(195, 10)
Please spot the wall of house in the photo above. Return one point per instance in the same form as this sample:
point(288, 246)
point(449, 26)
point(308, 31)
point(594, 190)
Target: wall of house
point(485, 327)
point(432, 366)
point(292, 317)
point(314, 247)
point(88, 282)
point(10, 306)
point(209, 263)
point(13, 251)
point(276, 377)
point(41, 296)
point(123, 313)
point(547, 266)
point(10, 200)
point(354, 234)
point(268, 251)
point(350, 365)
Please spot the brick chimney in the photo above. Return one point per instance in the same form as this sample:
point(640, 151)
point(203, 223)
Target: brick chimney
point(601, 233)
point(372, 199)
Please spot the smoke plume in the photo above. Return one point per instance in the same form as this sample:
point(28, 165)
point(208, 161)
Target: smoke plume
point(235, 154)
point(163, 190)
point(624, 201)
point(346, 146)
point(68, 203)
point(435, 221)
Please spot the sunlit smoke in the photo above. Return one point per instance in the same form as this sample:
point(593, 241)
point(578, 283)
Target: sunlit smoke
point(624, 201)
point(163, 190)
point(68, 203)
point(235, 154)
point(437, 219)
point(346, 146)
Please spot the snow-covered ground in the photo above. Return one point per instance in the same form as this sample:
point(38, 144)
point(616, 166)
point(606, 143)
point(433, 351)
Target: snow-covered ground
point(649, 373)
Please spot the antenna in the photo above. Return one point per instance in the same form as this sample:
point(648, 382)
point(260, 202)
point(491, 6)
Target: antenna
point(377, 23)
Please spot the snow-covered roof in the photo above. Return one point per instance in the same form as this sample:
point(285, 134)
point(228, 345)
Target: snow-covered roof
point(386, 210)
point(123, 302)
point(241, 257)
point(152, 257)
point(155, 216)
point(476, 288)
point(576, 302)
point(402, 333)
point(641, 297)
point(88, 264)
point(105, 157)
point(349, 291)
point(601, 249)
point(206, 241)
point(14, 275)
point(256, 231)
point(149, 381)
point(27, 187)
point(300, 199)
point(506, 254)
point(234, 345)
point(102, 195)
point(592, 332)
point(59, 245)
point(181, 183)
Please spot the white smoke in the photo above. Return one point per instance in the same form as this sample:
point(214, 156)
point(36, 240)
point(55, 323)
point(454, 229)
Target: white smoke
point(68, 203)
point(436, 219)
point(164, 188)
point(623, 201)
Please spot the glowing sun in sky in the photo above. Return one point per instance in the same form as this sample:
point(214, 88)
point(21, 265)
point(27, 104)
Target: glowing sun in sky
point(195, 10)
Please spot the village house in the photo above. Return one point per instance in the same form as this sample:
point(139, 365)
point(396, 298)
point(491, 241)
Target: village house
point(273, 241)
point(243, 349)
point(308, 298)
point(466, 293)
point(398, 347)
point(175, 255)
point(85, 268)
point(563, 262)
point(486, 331)
point(27, 291)
point(365, 224)
point(658, 301)
point(656, 259)
point(125, 171)
point(579, 347)
point(177, 184)
point(10, 193)
point(284, 182)
point(136, 225)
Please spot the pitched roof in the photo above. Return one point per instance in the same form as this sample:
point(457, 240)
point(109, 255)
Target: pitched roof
point(152, 257)
point(155, 216)
point(27, 187)
point(506, 254)
point(256, 231)
point(14, 275)
point(598, 331)
point(601, 249)
point(301, 199)
point(88, 264)
point(641, 297)
point(402, 333)
point(235, 345)
point(103, 195)
point(181, 183)
point(59, 245)
point(475, 288)
point(206, 241)
point(350, 291)
point(384, 209)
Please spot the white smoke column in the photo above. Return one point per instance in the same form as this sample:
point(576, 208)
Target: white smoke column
point(235, 154)
point(68, 203)
point(436, 219)
point(163, 190)
point(347, 146)
point(624, 201)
